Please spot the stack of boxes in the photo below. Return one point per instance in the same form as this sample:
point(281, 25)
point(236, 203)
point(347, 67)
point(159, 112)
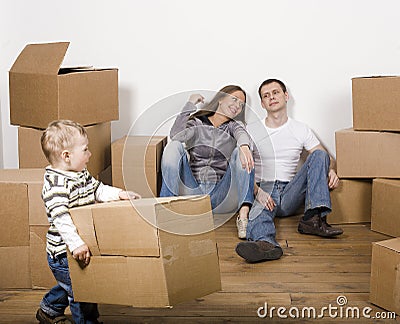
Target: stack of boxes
point(161, 268)
point(372, 150)
point(41, 91)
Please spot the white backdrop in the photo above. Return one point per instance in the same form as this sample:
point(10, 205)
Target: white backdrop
point(164, 47)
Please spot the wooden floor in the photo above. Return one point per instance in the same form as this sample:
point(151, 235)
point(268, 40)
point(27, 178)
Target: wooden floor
point(313, 272)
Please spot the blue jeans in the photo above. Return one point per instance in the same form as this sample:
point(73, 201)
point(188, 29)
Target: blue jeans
point(60, 296)
point(309, 187)
point(233, 190)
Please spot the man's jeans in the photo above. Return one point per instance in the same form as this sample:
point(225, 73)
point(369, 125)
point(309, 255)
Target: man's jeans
point(309, 186)
point(60, 296)
point(234, 189)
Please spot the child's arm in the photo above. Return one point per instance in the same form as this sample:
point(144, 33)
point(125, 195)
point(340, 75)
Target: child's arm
point(108, 193)
point(82, 253)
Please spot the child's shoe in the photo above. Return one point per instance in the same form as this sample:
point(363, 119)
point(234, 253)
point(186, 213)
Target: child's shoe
point(44, 318)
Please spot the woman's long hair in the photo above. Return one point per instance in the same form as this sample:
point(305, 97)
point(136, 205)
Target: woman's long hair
point(210, 108)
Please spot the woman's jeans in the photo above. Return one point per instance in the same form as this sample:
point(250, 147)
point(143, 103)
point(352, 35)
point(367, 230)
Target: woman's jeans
point(309, 187)
point(233, 190)
point(60, 296)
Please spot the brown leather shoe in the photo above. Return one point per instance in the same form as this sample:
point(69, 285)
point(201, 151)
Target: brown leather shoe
point(318, 225)
point(258, 251)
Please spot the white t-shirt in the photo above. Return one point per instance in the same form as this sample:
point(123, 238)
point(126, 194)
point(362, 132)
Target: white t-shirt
point(280, 148)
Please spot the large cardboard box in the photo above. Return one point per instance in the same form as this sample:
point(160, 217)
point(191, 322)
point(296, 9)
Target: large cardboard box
point(367, 154)
point(41, 275)
point(351, 202)
point(21, 205)
point(31, 154)
point(136, 163)
point(385, 217)
point(376, 103)
point(41, 91)
point(135, 263)
point(14, 267)
point(385, 283)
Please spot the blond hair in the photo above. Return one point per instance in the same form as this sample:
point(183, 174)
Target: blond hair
point(58, 136)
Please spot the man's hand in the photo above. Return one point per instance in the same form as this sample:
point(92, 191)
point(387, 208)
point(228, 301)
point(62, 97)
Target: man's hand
point(82, 253)
point(333, 179)
point(125, 195)
point(265, 199)
point(246, 158)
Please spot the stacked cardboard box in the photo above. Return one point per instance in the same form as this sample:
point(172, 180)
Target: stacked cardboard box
point(23, 230)
point(372, 150)
point(41, 91)
point(136, 164)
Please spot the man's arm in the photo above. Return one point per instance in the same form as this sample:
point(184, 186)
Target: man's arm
point(333, 179)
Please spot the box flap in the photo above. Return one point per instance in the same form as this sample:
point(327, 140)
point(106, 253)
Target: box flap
point(393, 244)
point(40, 58)
point(185, 216)
point(34, 175)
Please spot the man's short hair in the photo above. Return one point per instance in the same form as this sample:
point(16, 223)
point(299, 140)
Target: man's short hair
point(58, 136)
point(268, 81)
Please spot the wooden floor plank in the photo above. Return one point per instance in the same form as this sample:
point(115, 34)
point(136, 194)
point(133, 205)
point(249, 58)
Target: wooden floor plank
point(313, 272)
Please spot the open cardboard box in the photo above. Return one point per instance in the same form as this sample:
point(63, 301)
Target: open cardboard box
point(136, 263)
point(41, 91)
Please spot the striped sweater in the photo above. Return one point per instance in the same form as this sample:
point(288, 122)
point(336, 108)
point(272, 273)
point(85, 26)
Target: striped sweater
point(63, 190)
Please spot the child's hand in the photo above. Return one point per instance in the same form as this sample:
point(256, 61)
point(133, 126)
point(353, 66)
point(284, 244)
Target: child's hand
point(125, 195)
point(82, 253)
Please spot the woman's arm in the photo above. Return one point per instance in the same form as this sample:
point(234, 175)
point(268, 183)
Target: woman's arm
point(182, 129)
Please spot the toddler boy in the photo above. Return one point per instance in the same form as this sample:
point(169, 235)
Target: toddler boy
point(68, 184)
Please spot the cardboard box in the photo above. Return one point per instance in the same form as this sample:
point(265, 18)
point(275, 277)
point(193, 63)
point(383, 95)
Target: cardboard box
point(367, 154)
point(385, 284)
point(21, 205)
point(385, 217)
point(31, 154)
point(14, 267)
point(41, 275)
point(135, 263)
point(376, 103)
point(136, 163)
point(351, 202)
point(41, 91)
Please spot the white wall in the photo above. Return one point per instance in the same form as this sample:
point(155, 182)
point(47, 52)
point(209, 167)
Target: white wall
point(165, 47)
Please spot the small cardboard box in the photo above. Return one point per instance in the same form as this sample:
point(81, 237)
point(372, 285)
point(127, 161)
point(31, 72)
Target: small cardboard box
point(376, 103)
point(135, 263)
point(385, 217)
point(14, 267)
point(41, 275)
point(41, 91)
point(21, 205)
point(351, 202)
point(31, 154)
point(385, 284)
point(136, 163)
point(367, 154)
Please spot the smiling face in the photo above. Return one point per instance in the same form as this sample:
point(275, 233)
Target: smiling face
point(232, 104)
point(273, 98)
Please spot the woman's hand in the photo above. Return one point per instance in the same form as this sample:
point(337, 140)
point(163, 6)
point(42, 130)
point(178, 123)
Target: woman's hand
point(196, 98)
point(125, 195)
point(265, 199)
point(246, 158)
